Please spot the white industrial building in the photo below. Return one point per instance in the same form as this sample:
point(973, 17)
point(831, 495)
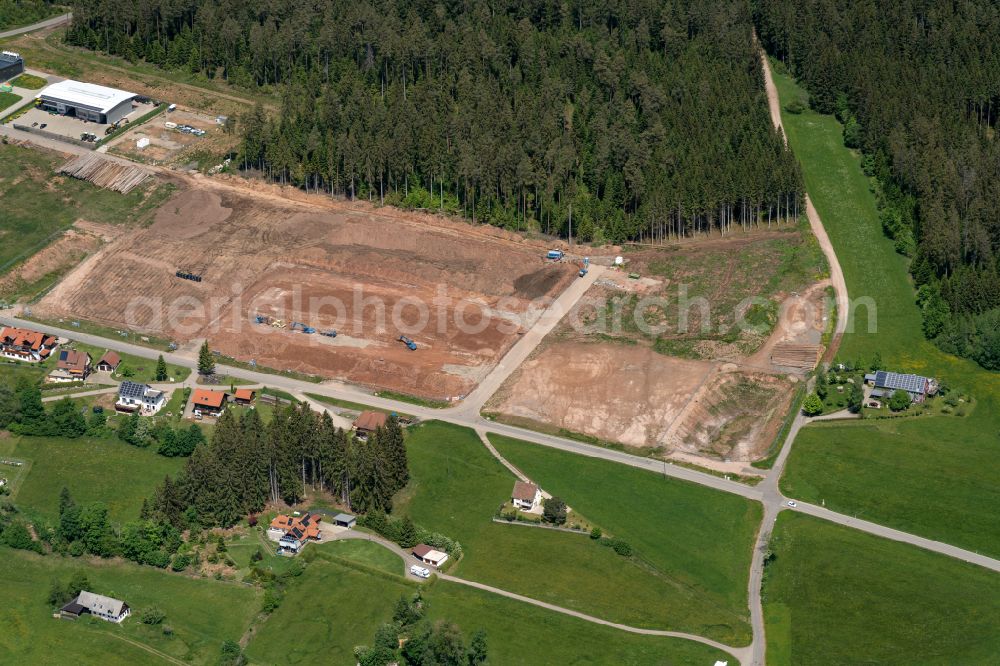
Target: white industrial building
point(88, 101)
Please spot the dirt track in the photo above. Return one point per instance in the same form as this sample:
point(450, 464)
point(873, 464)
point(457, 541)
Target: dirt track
point(326, 264)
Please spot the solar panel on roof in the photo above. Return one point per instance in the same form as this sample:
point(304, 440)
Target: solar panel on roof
point(132, 390)
point(895, 380)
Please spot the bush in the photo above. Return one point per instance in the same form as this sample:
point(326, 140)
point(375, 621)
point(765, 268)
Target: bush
point(595, 533)
point(152, 615)
point(619, 546)
point(796, 106)
point(181, 562)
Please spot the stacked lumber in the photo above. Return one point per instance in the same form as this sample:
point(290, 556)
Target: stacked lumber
point(104, 173)
point(795, 356)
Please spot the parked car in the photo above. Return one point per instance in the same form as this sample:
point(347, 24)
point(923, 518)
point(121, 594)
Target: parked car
point(43, 125)
point(792, 503)
point(423, 572)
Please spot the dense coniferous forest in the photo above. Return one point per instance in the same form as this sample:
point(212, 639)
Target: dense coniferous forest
point(634, 120)
point(917, 86)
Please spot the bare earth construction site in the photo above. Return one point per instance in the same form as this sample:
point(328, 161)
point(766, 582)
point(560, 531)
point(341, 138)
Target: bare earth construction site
point(329, 266)
point(712, 393)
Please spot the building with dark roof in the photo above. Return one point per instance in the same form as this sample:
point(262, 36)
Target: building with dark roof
point(11, 65)
point(886, 383)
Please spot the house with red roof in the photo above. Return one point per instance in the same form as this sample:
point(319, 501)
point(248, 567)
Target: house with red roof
point(207, 401)
point(294, 531)
point(26, 345)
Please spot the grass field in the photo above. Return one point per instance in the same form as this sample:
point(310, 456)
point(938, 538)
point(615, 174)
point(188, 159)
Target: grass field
point(106, 470)
point(327, 628)
point(202, 613)
point(327, 611)
point(365, 552)
point(38, 205)
point(8, 99)
point(457, 486)
point(933, 476)
point(838, 596)
point(29, 81)
point(697, 515)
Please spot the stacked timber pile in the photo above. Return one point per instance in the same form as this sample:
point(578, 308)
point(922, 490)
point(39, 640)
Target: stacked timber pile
point(105, 173)
point(795, 356)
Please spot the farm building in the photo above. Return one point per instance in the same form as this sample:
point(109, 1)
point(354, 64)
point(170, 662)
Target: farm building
point(25, 345)
point(369, 422)
point(11, 65)
point(72, 366)
point(244, 396)
point(109, 362)
point(525, 496)
point(886, 383)
point(87, 101)
point(428, 555)
point(133, 396)
point(98, 605)
point(209, 402)
point(293, 532)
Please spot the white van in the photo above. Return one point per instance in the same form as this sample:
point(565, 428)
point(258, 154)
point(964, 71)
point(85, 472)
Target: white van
point(423, 572)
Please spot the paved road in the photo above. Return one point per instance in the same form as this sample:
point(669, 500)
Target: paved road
point(48, 23)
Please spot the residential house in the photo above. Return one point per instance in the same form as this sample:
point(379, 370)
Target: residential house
point(428, 555)
point(886, 383)
point(293, 532)
point(244, 396)
point(209, 402)
point(133, 396)
point(26, 345)
point(525, 496)
point(369, 422)
point(73, 366)
point(109, 362)
point(98, 605)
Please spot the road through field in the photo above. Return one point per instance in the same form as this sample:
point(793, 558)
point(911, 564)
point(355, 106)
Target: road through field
point(47, 23)
point(815, 223)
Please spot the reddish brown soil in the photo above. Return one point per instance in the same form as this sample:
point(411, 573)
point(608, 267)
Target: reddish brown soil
point(292, 258)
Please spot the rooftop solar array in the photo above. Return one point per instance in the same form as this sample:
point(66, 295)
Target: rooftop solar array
point(894, 380)
point(132, 390)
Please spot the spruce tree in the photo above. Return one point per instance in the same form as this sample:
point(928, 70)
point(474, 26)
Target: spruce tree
point(206, 361)
point(161, 369)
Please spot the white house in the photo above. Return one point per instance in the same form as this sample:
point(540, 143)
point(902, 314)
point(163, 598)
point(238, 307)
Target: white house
point(133, 396)
point(98, 605)
point(525, 496)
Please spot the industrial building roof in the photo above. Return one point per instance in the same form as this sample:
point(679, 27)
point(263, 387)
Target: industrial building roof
point(10, 57)
point(77, 93)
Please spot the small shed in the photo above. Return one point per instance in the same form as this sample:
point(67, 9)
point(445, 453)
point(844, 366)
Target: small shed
point(344, 520)
point(244, 396)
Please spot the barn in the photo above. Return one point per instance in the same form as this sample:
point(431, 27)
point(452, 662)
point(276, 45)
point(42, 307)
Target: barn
point(87, 101)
